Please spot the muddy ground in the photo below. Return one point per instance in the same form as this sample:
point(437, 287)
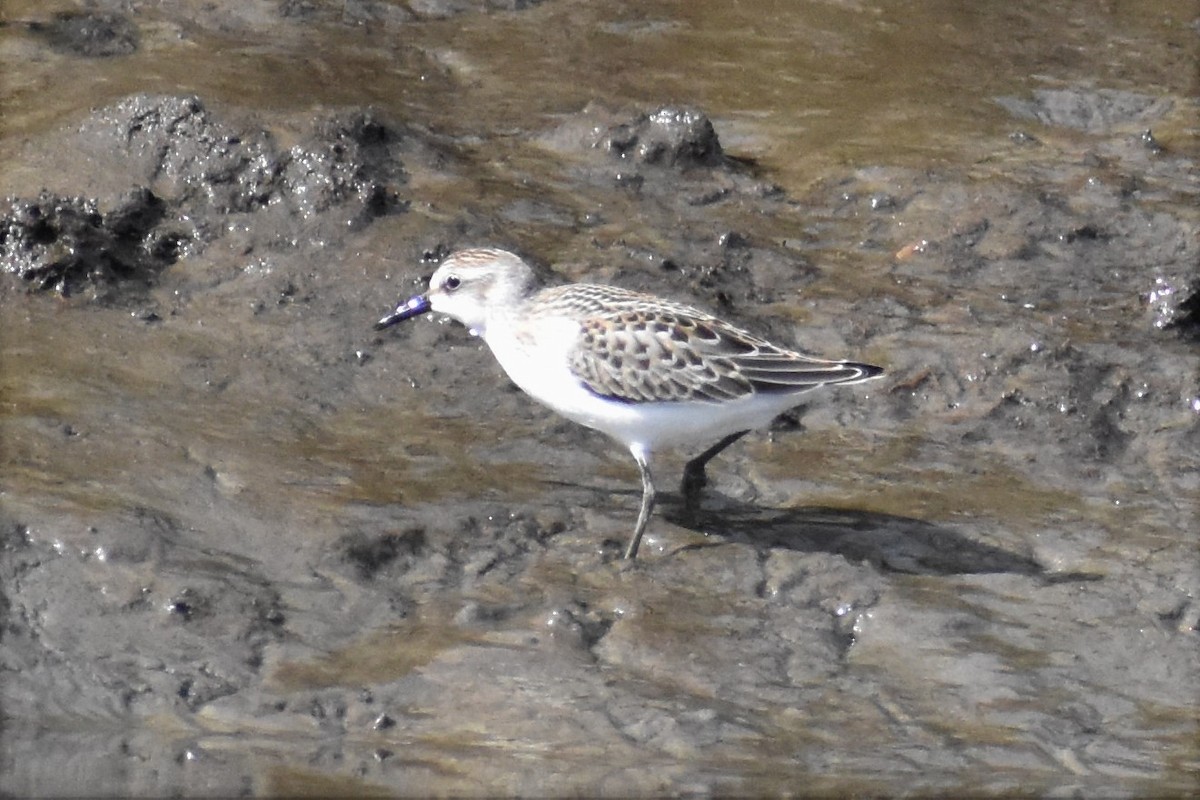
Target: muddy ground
point(250, 546)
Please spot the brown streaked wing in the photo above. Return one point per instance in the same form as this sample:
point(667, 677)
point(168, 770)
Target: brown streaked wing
point(644, 350)
point(639, 348)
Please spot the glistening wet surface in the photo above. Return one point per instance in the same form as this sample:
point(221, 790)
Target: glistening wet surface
point(251, 546)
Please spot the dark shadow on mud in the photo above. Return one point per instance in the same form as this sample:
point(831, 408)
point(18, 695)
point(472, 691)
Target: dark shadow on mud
point(889, 543)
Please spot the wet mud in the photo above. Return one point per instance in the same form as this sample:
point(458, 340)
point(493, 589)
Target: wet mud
point(250, 546)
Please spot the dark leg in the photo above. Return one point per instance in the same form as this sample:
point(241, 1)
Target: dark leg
point(694, 478)
point(647, 508)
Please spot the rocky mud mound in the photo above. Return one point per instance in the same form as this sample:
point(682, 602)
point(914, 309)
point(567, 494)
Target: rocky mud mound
point(193, 179)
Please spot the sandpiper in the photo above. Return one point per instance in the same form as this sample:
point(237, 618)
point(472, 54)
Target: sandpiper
point(649, 372)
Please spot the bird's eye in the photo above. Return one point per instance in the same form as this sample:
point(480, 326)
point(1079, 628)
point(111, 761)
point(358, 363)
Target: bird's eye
point(452, 282)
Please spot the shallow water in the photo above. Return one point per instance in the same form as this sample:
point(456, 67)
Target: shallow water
point(252, 547)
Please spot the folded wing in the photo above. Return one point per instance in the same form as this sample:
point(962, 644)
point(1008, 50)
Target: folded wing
point(641, 351)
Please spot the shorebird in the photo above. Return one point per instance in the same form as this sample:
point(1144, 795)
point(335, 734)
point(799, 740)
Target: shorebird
point(651, 373)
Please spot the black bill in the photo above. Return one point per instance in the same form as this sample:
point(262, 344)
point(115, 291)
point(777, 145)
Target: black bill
point(411, 308)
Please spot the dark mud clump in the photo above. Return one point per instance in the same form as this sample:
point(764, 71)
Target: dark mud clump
point(662, 152)
point(190, 178)
point(200, 162)
point(64, 244)
point(89, 34)
point(673, 137)
point(1174, 302)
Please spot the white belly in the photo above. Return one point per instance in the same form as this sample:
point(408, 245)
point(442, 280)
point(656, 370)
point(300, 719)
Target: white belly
point(544, 374)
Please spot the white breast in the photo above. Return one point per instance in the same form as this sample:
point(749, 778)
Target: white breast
point(543, 372)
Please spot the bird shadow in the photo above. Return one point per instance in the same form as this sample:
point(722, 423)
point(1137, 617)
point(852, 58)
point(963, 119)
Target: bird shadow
point(889, 542)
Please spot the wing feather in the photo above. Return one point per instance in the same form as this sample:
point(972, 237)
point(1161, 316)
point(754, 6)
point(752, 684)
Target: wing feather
point(637, 348)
